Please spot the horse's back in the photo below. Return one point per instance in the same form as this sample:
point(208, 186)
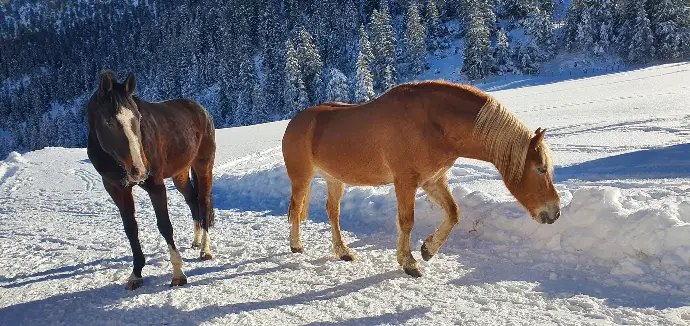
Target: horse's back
point(183, 131)
point(367, 144)
point(179, 107)
point(335, 138)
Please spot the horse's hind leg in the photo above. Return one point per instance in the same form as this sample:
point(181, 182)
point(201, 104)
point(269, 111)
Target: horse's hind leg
point(439, 192)
point(300, 170)
point(188, 190)
point(335, 192)
point(159, 200)
point(297, 212)
point(405, 193)
point(203, 171)
point(125, 203)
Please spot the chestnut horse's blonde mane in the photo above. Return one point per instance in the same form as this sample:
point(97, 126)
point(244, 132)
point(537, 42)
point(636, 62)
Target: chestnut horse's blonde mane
point(505, 137)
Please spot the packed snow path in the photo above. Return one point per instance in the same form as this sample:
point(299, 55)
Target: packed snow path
point(619, 254)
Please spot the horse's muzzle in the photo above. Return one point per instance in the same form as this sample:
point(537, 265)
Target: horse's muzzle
point(136, 176)
point(549, 214)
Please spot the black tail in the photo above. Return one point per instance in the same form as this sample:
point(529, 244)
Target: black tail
point(210, 216)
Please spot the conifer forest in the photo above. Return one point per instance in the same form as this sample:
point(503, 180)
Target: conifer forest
point(255, 61)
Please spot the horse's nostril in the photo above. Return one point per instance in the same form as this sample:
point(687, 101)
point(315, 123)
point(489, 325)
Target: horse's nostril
point(558, 213)
point(136, 172)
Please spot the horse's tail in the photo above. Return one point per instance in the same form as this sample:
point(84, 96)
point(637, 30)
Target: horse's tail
point(210, 217)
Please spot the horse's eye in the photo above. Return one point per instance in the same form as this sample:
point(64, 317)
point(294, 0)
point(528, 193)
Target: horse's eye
point(541, 170)
point(109, 123)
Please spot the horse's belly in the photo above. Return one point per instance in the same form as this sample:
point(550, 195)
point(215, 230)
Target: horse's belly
point(357, 173)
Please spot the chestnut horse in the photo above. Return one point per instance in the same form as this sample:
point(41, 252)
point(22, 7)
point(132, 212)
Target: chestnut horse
point(134, 142)
point(410, 137)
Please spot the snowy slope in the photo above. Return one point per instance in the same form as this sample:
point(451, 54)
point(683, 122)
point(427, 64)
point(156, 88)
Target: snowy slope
point(620, 254)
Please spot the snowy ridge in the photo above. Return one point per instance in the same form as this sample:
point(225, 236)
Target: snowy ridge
point(599, 226)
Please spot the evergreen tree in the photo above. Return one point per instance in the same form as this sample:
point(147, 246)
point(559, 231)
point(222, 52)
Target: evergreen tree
point(388, 78)
point(481, 8)
point(589, 26)
point(259, 110)
point(33, 136)
point(16, 136)
point(365, 46)
point(47, 131)
point(63, 132)
point(502, 56)
point(666, 23)
point(4, 147)
point(585, 30)
point(604, 20)
point(78, 132)
point(223, 113)
point(272, 41)
point(364, 84)
point(515, 9)
point(539, 26)
point(310, 67)
point(295, 94)
point(477, 59)
point(383, 44)
point(526, 58)
point(349, 23)
point(487, 13)
point(243, 94)
point(414, 37)
point(337, 89)
point(635, 39)
point(432, 18)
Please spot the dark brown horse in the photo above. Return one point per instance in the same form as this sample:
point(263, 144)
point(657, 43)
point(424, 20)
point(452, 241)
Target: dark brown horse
point(134, 142)
point(410, 137)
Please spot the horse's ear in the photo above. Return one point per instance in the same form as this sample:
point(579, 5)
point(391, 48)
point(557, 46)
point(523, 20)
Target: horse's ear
point(130, 84)
point(106, 84)
point(538, 138)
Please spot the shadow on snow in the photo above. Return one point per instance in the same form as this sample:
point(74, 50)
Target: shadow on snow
point(665, 162)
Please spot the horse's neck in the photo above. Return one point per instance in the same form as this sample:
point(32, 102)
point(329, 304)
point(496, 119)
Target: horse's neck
point(457, 127)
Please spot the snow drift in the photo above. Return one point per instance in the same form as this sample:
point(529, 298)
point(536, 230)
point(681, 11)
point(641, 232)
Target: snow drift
point(599, 226)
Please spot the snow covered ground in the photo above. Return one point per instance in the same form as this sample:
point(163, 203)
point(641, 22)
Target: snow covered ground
point(620, 254)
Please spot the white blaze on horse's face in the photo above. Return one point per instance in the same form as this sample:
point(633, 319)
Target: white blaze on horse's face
point(125, 117)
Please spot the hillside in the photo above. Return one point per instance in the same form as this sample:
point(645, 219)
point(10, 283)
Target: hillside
point(252, 62)
point(620, 254)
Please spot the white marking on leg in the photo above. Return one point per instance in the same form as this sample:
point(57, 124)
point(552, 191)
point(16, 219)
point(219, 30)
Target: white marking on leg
point(133, 277)
point(125, 118)
point(295, 234)
point(197, 235)
point(206, 244)
point(176, 260)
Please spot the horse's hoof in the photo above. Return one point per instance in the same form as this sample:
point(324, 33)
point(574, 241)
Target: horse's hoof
point(426, 255)
point(178, 281)
point(347, 257)
point(297, 250)
point(206, 256)
point(414, 272)
point(196, 245)
point(134, 284)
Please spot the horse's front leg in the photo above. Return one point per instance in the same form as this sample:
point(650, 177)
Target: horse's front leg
point(439, 192)
point(405, 193)
point(125, 203)
point(159, 200)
